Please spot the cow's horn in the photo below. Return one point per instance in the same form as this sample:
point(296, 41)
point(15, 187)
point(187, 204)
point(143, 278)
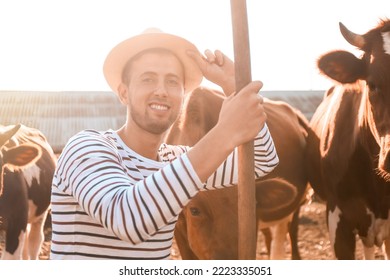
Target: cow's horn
point(352, 38)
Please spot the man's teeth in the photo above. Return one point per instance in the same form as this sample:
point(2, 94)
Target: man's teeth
point(159, 107)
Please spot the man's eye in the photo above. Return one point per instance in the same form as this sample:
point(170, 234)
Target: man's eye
point(173, 82)
point(147, 80)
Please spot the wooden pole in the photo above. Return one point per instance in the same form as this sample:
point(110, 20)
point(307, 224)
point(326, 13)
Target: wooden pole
point(247, 235)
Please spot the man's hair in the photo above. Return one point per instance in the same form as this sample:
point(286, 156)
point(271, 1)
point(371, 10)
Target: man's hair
point(129, 63)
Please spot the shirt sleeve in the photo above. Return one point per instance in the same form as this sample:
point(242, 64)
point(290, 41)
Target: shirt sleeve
point(91, 170)
point(265, 154)
point(265, 160)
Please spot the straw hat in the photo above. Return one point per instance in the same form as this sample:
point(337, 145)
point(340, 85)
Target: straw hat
point(149, 39)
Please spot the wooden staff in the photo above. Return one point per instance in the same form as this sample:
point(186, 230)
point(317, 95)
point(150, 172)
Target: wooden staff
point(247, 235)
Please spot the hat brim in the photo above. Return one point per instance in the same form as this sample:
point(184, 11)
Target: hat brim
point(120, 55)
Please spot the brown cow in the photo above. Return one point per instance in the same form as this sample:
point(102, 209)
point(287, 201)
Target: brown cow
point(207, 227)
point(349, 147)
point(27, 165)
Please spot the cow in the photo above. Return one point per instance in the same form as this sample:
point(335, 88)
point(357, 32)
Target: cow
point(348, 144)
point(207, 227)
point(27, 164)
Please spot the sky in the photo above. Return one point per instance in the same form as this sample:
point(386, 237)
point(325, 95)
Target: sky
point(52, 45)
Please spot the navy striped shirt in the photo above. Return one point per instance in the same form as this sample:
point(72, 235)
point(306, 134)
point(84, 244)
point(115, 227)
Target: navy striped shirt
point(109, 202)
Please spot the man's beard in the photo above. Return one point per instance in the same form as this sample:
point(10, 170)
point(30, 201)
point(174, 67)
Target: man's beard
point(157, 127)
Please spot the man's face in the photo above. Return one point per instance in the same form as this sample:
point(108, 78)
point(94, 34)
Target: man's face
point(155, 91)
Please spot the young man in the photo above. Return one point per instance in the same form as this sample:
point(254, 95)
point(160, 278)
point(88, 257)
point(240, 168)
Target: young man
point(118, 194)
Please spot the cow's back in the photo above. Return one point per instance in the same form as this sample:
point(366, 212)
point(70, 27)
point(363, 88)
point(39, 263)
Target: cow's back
point(288, 128)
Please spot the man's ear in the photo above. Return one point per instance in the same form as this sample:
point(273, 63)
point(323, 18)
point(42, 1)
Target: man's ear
point(123, 93)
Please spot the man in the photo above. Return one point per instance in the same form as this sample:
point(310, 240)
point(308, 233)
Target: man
point(118, 194)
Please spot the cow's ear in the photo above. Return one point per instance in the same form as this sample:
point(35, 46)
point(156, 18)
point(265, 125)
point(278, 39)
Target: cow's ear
point(342, 66)
point(6, 135)
point(21, 155)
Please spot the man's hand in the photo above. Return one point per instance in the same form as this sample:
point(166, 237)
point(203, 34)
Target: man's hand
point(241, 118)
point(217, 68)
point(242, 115)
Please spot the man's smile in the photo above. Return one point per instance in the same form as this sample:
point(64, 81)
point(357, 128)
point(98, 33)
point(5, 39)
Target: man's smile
point(159, 106)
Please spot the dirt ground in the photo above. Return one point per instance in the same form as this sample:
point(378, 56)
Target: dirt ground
point(313, 238)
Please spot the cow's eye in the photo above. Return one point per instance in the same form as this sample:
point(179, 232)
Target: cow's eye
point(194, 211)
point(374, 88)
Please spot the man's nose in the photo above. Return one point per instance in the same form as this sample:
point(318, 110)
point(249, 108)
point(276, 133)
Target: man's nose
point(160, 90)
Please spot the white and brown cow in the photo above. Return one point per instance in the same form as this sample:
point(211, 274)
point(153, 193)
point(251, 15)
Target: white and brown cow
point(207, 228)
point(27, 164)
point(349, 146)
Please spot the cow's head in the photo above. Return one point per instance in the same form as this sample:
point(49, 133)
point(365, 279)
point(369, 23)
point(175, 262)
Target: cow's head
point(374, 69)
point(208, 226)
point(17, 156)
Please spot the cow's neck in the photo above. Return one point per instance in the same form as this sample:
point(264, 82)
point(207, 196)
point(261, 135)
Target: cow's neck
point(367, 124)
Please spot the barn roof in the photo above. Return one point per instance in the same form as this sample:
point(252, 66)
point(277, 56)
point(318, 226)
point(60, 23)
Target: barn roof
point(305, 101)
point(60, 115)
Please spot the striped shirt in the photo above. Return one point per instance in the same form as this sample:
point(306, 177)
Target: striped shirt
point(109, 202)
